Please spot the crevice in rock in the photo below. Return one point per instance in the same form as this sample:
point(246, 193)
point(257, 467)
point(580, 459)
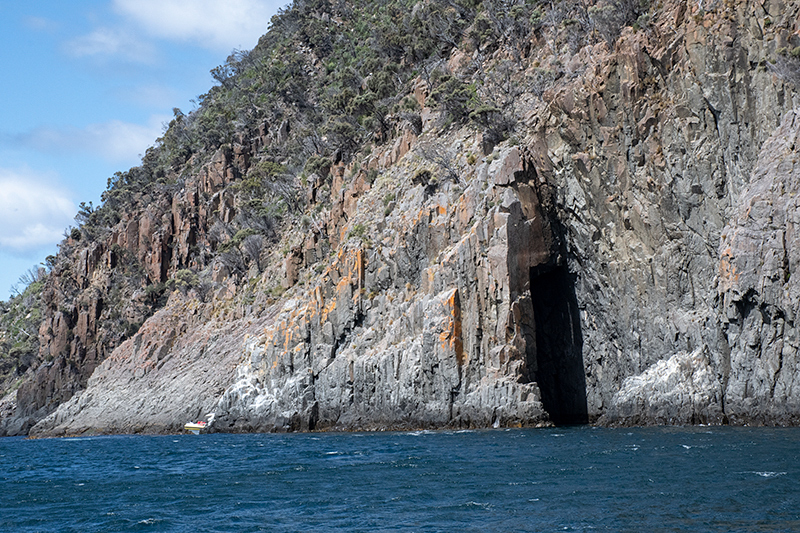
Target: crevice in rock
point(745, 305)
point(714, 113)
point(559, 341)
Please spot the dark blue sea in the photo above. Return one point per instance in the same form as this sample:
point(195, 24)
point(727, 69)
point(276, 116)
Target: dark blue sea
point(575, 479)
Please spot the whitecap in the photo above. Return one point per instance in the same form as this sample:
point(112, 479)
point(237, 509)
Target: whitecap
point(686, 446)
point(770, 474)
point(764, 473)
point(478, 504)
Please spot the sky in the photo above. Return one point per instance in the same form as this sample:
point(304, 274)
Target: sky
point(86, 87)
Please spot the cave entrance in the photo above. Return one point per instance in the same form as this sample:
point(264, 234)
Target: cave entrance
point(559, 342)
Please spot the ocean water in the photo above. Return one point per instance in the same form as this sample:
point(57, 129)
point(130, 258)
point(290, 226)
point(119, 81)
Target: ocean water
point(563, 479)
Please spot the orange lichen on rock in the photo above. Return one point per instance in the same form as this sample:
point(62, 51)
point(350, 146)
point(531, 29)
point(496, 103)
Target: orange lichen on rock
point(727, 270)
point(450, 337)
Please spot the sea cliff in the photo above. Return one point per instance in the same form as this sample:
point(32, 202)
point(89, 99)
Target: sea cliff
point(549, 225)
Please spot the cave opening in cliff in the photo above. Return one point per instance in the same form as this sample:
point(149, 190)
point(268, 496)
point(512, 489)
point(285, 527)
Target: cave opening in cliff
point(559, 356)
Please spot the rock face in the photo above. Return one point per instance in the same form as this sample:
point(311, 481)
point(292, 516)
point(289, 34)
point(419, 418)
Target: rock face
point(630, 258)
point(432, 328)
point(107, 287)
point(754, 374)
point(648, 174)
point(759, 290)
point(683, 389)
point(172, 371)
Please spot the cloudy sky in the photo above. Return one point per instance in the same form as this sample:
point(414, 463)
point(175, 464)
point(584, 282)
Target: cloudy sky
point(86, 87)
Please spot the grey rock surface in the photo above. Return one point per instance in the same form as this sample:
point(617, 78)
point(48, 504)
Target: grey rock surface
point(759, 290)
point(171, 372)
point(669, 129)
point(631, 258)
point(426, 332)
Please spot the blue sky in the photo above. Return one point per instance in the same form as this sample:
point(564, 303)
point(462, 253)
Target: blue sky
point(86, 87)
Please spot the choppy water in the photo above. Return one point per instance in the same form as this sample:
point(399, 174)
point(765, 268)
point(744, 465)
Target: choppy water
point(576, 479)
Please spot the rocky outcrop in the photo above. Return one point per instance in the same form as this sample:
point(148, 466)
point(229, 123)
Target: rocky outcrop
point(628, 258)
point(681, 390)
point(172, 371)
point(650, 153)
point(106, 286)
point(430, 326)
point(753, 376)
point(759, 290)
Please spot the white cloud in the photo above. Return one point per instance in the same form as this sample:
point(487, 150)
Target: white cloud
point(148, 96)
point(115, 141)
point(107, 42)
point(33, 213)
point(41, 24)
point(211, 24)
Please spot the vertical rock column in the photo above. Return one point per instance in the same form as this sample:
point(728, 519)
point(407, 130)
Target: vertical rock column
point(543, 321)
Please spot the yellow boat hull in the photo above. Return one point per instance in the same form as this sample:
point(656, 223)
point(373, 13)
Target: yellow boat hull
point(194, 428)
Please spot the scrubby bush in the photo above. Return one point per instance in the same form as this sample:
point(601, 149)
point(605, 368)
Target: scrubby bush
point(319, 165)
point(183, 280)
point(454, 97)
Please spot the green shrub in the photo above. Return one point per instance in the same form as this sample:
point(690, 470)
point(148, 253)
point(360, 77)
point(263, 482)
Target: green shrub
point(183, 280)
point(237, 239)
point(319, 165)
point(154, 291)
point(358, 231)
point(455, 97)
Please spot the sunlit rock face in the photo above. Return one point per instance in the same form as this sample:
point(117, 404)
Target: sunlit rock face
point(627, 257)
point(759, 295)
point(434, 328)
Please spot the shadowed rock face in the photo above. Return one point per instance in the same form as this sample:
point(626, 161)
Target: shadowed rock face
point(559, 346)
point(632, 260)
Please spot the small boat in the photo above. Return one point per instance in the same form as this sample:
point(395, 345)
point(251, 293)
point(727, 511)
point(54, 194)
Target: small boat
point(195, 427)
